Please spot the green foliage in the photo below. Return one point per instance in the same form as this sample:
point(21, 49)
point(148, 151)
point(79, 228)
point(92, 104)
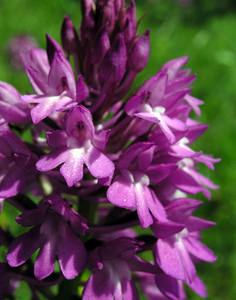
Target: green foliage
point(206, 33)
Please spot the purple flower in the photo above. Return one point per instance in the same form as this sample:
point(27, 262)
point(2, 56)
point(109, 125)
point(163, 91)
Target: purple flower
point(69, 36)
point(18, 47)
point(161, 287)
point(131, 189)
point(119, 165)
point(77, 145)
point(12, 107)
point(109, 47)
point(112, 265)
point(160, 98)
point(17, 169)
point(55, 232)
point(184, 245)
point(53, 80)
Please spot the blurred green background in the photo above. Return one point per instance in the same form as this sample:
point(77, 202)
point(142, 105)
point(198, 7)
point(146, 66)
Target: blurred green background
point(205, 30)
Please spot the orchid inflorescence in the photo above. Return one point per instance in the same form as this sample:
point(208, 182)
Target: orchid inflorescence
point(102, 177)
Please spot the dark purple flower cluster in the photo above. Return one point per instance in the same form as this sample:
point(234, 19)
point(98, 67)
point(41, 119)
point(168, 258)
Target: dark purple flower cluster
point(90, 168)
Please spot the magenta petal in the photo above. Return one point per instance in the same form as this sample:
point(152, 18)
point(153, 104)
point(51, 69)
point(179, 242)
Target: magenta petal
point(196, 224)
point(82, 91)
point(199, 250)
point(158, 91)
point(99, 286)
point(9, 94)
point(12, 182)
point(174, 65)
point(166, 228)
point(154, 204)
point(144, 214)
point(71, 254)
point(129, 291)
point(23, 247)
point(47, 106)
point(139, 265)
point(174, 97)
point(198, 287)
point(12, 114)
point(99, 165)
point(185, 182)
point(148, 116)
point(166, 130)
point(133, 105)
point(183, 151)
point(44, 264)
point(145, 158)
point(72, 169)
point(175, 123)
point(37, 68)
point(188, 266)
point(100, 139)
point(183, 207)
point(170, 287)
point(202, 180)
point(16, 144)
point(133, 152)
point(194, 103)
point(51, 161)
point(12, 108)
point(168, 258)
point(195, 131)
point(61, 76)
point(44, 109)
point(121, 193)
point(159, 172)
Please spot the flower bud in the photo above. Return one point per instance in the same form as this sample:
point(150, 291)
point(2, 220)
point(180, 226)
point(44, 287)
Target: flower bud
point(139, 53)
point(52, 48)
point(130, 22)
point(88, 21)
point(102, 45)
point(119, 6)
point(114, 64)
point(69, 36)
point(108, 13)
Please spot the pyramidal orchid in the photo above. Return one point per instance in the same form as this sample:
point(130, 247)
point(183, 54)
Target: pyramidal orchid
point(99, 177)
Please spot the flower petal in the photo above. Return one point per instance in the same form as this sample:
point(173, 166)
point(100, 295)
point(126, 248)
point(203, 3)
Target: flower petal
point(44, 264)
point(51, 161)
point(121, 193)
point(168, 258)
point(72, 169)
point(71, 254)
point(199, 250)
point(144, 214)
point(99, 165)
point(23, 247)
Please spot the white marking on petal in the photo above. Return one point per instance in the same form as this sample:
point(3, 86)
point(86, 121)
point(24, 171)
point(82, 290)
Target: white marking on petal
point(183, 142)
point(179, 194)
point(186, 163)
point(182, 234)
point(159, 110)
point(144, 180)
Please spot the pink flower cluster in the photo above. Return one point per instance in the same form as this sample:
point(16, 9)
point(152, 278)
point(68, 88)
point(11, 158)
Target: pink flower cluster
point(95, 165)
